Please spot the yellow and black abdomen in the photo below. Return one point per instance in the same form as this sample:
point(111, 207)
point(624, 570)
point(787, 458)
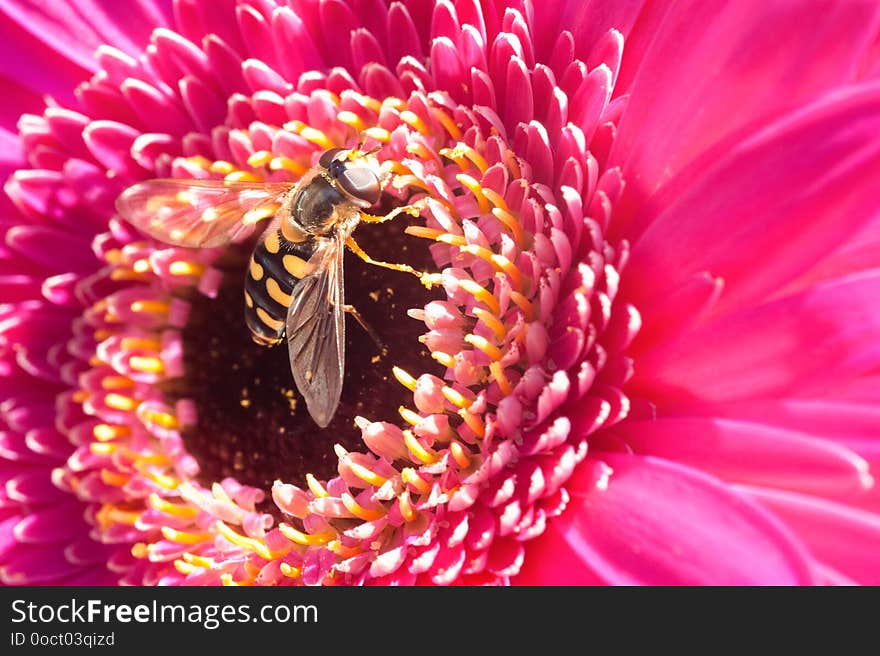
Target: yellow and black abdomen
point(276, 267)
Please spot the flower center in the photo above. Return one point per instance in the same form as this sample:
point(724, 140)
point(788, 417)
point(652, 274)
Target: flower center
point(252, 422)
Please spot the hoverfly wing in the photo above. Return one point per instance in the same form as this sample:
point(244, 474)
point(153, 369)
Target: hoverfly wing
point(199, 213)
point(316, 332)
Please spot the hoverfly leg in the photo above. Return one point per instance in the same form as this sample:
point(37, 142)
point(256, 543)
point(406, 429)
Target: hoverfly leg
point(412, 210)
point(352, 310)
point(405, 268)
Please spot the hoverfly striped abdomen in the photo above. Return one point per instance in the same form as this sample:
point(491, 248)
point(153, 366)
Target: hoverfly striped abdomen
point(276, 267)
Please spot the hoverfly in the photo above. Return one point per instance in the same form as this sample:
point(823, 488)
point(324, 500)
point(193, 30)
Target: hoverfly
point(294, 283)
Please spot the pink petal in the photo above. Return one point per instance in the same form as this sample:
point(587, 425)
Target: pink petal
point(843, 537)
point(799, 345)
point(777, 200)
point(750, 452)
point(60, 37)
point(714, 66)
point(587, 21)
point(642, 520)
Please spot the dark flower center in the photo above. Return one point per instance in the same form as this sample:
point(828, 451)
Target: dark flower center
point(252, 423)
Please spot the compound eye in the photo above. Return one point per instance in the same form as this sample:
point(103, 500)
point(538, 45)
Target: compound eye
point(329, 156)
point(361, 183)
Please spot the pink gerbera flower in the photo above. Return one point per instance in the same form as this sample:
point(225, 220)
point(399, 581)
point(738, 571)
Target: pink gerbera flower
point(645, 349)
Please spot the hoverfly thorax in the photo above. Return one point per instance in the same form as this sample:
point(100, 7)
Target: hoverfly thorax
point(293, 286)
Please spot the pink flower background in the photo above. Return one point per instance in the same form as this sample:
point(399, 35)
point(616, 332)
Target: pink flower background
point(746, 136)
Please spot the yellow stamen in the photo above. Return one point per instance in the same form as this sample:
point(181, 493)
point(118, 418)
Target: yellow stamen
point(455, 397)
point(366, 101)
point(410, 476)
point(144, 458)
point(114, 479)
point(110, 432)
point(154, 307)
point(140, 550)
point(123, 274)
point(523, 304)
point(484, 345)
point(81, 396)
point(101, 335)
point(200, 161)
point(366, 475)
point(446, 121)
point(315, 486)
point(222, 167)
point(394, 102)
point(102, 448)
point(242, 176)
point(491, 322)
point(481, 294)
point(513, 164)
point(305, 539)
point(141, 266)
point(343, 551)
point(406, 510)
point(500, 377)
point(511, 223)
point(163, 419)
point(110, 514)
point(409, 180)
point(116, 383)
point(478, 160)
point(174, 509)
point(199, 561)
point(146, 364)
point(404, 378)
point(113, 256)
point(414, 120)
point(260, 158)
point(473, 422)
point(309, 133)
point(419, 452)
point(185, 568)
point(356, 509)
point(409, 416)
point(351, 119)
point(436, 235)
point(287, 164)
point(184, 537)
point(220, 494)
point(477, 190)
point(140, 344)
point(228, 581)
point(460, 455)
point(162, 480)
point(181, 268)
point(444, 358)
point(290, 571)
point(119, 402)
point(379, 134)
point(499, 262)
point(421, 151)
point(245, 542)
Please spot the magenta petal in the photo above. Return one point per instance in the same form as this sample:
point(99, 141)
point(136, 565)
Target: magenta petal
point(844, 538)
point(736, 62)
point(802, 344)
point(777, 200)
point(642, 520)
point(749, 452)
point(587, 21)
point(60, 37)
